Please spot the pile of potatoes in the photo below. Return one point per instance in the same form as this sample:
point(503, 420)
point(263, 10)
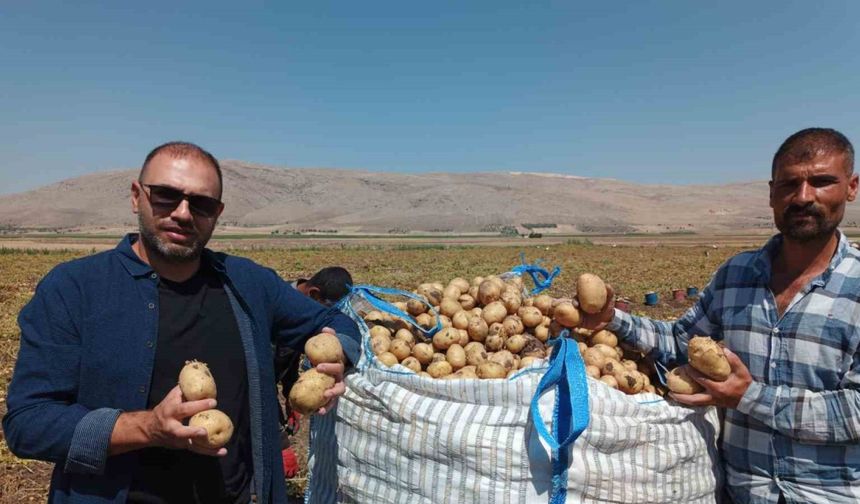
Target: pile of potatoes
point(196, 383)
point(491, 329)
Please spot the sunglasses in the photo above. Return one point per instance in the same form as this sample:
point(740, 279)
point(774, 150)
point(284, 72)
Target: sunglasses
point(168, 198)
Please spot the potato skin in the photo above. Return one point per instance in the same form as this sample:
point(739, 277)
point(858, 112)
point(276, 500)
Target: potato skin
point(219, 428)
point(324, 347)
point(196, 381)
point(306, 395)
point(680, 382)
point(591, 292)
point(707, 357)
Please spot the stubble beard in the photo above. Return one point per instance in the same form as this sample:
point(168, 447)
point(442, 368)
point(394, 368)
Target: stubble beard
point(820, 228)
point(168, 251)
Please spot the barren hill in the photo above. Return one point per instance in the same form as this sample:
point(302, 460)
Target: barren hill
point(359, 201)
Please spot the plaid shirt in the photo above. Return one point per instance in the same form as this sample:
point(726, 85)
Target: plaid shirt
point(796, 430)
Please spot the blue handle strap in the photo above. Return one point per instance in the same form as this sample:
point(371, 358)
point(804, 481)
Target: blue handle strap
point(566, 374)
point(540, 276)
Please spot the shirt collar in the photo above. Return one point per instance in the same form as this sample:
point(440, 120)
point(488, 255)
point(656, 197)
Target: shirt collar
point(763, 264)
point(137, 268)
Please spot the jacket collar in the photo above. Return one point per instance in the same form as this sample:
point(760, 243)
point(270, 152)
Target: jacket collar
point(137, 268)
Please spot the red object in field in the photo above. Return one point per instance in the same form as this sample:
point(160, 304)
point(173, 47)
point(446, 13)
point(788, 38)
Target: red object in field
point(291, 463)
point(679, 294)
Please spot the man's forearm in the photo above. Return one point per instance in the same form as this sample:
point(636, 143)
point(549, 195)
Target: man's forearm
point(131, 432)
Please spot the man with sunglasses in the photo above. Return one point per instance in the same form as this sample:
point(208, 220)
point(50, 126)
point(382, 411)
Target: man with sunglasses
point(104, 337)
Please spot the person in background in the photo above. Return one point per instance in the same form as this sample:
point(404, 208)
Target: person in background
point(104, 338)
point(327, 286)
point(789, 315)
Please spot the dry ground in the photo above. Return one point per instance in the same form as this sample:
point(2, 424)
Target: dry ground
point(633, 269)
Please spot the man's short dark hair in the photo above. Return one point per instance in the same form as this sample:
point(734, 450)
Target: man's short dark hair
point(807, 144)
point(178, 150)
point(333, 282)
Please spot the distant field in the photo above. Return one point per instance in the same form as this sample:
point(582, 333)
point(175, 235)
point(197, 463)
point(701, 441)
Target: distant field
point(642, 264)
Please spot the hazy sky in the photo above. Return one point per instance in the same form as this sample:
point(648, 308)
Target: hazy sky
point(663, 92)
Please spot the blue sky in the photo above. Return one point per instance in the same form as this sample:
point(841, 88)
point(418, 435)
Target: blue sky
point(657, 92)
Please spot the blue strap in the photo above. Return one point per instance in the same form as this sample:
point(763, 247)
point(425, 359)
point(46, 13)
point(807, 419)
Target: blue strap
point(566, 374)
point(540, 276)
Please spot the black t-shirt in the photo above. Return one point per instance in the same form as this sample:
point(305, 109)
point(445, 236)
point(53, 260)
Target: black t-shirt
point(196, 321)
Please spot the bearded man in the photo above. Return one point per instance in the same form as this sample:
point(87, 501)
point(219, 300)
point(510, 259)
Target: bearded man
point(104, 338)
point(789, 316)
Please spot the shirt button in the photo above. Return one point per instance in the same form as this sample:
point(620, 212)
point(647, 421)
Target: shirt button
point(776, 330)
point(149, 344)
point(141, 389)
point(151, 306)
point(153, 276)
point(773, 364)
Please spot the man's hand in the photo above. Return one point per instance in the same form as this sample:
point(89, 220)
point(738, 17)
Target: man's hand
point(726, 394)
point(164, 426)
point(599, 320)
point(336, 372)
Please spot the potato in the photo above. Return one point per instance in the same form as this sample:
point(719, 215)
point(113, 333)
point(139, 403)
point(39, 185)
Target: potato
point(449, 306)
point(619, 353)
point(515, 343)
point(513, 325)
point(374, 317)
point(650, 389)
point(439, 369)
point(488, 370)
point(494, 342)
point(380, 331)
point(306, 395)
point(533, 348)
point(528, 361)
point(605, 337)
point(196, 382)
point(461, 283)
point(489, 292)
point(423, 352)
point(451, 291)
point(400, 305)
point(380, 344)
point(530, 316)
point(629, 382)
point(503, 357)
point(475, 355)
point(543, 303)
point(219, 428)
point(528, 301)
point(542, 333)
point(476, 281)
point(591, 292)
point(443, 339)
point(473, 291)
point(566, 314)
point(610, 380)
point(405, 335)
point(593, 371)
point(630, 365)
point(456, 356)
point(388, 359)
point(606, 350)
point(460, 320)
point(415, 307)
point(468, 373)
point(466, 301)
point(475, 312)
point(680, 382)
point(324, 347)
point(707, 357)
point(611, 366)
point(432, 293)
point(594, 357)
point(411, 363)
point(445, 321)
point(512, 301)
point(438, 357)
point(426, 321)
point(494, 312)
point(400, 349)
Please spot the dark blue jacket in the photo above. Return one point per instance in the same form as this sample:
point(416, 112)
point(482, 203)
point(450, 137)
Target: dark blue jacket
point(88, 341)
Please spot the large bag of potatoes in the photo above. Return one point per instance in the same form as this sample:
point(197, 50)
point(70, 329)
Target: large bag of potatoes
point(483, 392)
